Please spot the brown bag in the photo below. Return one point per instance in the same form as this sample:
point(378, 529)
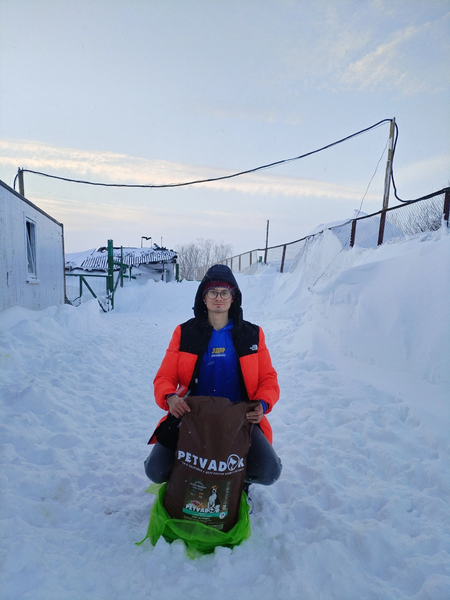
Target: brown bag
point(207, 478)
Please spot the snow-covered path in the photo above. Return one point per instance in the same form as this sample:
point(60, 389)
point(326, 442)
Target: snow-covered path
point(362, 506)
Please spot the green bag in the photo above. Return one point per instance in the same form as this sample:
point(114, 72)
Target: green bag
point(199, 538)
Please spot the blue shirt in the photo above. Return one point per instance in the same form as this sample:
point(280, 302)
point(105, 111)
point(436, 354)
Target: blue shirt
point(218, 374)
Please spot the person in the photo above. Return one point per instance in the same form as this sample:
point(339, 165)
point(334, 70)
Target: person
point(216, 353)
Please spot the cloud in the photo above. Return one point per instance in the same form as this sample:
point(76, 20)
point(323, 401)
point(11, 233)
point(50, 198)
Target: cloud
point(80, 214)
point(380, 66)
point(357, 49)
point(430, 169)
point(109, 167)
point(411, 60)
point(88, 225)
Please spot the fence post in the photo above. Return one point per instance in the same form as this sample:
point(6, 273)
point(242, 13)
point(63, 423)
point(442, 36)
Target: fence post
point(353, 234)
point(447, 205)
point(381, 231)
point(282, 258)
point(239, 263)
point(110, 276)
point(267, 243)
point(121, 266)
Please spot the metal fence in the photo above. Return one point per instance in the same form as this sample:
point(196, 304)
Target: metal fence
point(84, 286)
point(369, 231)
point(241, 262)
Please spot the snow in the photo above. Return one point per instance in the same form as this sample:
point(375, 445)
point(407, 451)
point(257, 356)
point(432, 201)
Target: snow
point(360, 340)
point(97, 259)
point(366, 232)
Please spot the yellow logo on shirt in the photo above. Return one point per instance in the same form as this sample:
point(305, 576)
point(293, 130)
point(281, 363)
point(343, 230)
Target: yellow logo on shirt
point(218, 350)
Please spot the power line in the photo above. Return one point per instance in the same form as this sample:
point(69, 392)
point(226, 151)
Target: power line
point(209, 180)
point(393, 181)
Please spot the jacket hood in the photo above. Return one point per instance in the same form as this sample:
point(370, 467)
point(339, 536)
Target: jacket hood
point(219, 273)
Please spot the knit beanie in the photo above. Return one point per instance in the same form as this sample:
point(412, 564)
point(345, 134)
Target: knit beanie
point(222, 284)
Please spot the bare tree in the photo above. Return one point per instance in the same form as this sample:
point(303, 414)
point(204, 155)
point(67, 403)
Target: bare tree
point(201, 253)
point(221, 252)
point(189, 257)
point(208, 250)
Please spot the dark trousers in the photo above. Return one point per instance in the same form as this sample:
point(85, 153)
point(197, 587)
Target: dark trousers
point(263, 464)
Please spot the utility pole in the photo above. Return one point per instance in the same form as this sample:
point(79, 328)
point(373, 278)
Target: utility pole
point(387, 183)
point(110, 276)
point(387, 178)
point(267, 243)
point(21, 186)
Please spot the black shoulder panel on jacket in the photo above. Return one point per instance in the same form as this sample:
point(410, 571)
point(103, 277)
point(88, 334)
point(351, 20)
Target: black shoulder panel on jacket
point(246, 339)
point(195, 336)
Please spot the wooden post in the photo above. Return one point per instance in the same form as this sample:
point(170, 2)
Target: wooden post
point(381, 230)
point(267, 243)
point(282, 258)
point(447, 205)
point(353, 234)
point(110, 277)
point(387, 182)
point(121, 266)
point(388, 175)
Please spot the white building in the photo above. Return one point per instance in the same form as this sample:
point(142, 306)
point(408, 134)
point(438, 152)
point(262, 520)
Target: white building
point(31, 254)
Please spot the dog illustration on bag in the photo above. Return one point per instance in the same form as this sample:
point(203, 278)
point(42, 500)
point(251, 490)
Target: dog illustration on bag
point(214, 502)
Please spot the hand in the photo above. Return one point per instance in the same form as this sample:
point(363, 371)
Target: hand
point(255, 415)
point(177, 406)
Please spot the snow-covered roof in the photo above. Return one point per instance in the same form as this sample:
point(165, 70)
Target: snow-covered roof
point(97, 259)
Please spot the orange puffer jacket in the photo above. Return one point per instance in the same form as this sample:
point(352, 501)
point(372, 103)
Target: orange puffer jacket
point(180, 366)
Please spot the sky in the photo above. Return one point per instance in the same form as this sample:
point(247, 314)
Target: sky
point(157, 92)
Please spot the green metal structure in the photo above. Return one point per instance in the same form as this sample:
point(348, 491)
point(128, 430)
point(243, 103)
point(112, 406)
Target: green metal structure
point(111, 285)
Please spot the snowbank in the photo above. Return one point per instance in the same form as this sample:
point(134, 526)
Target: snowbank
point(360, 340)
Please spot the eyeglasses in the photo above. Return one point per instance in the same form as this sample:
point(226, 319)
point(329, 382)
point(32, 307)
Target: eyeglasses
point(212, 294)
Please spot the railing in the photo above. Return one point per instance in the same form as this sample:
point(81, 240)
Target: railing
point(369, 231)
point(77, 288)
point(103, 291)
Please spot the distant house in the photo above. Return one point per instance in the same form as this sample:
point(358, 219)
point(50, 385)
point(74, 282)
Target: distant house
point(143, 263)
point(31, 254)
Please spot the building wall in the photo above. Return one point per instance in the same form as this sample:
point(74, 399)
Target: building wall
point(24, 282)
